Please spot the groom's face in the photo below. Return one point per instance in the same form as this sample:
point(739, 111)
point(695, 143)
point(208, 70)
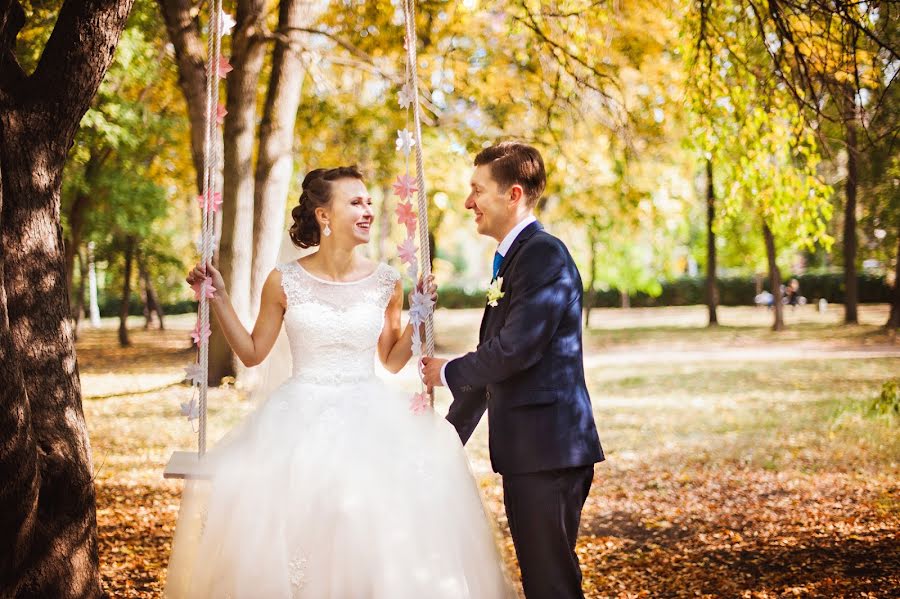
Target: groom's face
point(489, 203)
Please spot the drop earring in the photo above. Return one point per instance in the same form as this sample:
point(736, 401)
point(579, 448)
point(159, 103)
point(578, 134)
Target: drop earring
point(327, 230)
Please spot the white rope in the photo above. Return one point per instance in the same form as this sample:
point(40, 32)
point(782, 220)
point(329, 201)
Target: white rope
point(210, 164)
point(425, 255)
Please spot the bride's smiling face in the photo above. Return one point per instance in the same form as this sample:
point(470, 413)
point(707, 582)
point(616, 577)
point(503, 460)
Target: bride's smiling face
point(349, 213)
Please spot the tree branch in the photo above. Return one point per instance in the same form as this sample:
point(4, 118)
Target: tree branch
point(12, 19)
point(75, 59)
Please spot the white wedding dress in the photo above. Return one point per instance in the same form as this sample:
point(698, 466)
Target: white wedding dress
point(333, 488)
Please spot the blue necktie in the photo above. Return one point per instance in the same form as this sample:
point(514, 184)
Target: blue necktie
point(498, 260)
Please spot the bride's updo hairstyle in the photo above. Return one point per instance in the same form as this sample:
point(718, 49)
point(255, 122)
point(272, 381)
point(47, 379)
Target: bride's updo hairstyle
point(317, 189)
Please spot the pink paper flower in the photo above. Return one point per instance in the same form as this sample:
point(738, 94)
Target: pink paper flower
point(215, 203)
point(200, 334)
point(406, 216)
point(220, 113)
point(405, 186)
point(419, 403)
point(224, 67)
point(198, 289)
point(407, 250)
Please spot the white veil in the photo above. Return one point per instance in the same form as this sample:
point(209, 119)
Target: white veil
point(276, 368)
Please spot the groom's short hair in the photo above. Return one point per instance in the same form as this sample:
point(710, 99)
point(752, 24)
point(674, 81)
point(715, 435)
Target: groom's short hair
point(513, 163)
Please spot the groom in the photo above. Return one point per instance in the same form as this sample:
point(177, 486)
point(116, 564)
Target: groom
point(528, 374)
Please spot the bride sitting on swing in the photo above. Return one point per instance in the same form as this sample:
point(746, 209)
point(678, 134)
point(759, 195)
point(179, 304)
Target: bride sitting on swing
point(333, 487)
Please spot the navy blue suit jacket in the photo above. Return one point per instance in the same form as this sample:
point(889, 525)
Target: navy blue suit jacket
point(528, 369)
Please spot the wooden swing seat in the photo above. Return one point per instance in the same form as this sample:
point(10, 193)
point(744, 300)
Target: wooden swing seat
point(187, 465)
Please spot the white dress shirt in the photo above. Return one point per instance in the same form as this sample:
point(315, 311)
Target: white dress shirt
point(502, 249)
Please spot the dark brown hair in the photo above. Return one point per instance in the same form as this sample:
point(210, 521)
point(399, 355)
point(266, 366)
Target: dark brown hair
point(514, 163)
point(305, 232)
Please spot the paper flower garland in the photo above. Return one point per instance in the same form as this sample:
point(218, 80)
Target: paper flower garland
point(405, 187)
point(209, 202)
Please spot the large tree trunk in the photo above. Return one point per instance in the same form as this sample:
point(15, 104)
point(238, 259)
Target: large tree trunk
point(190, 56)
point(851, 285)
point(19, 465)
point(48, 526)
point(774, 278)
point(712, 292)
point(126, 292)
point(275, 163)
point(894, 318)
point(235, 247)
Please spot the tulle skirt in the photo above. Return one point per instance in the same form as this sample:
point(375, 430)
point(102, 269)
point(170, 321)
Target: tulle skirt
point(336, 492)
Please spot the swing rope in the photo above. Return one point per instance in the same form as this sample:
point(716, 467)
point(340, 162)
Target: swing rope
point(409, 11)
point(210, 180)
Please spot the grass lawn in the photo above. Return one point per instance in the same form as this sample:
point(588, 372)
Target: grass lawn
point(741, 463)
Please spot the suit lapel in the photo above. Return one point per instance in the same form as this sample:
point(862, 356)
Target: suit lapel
point(524, 236)
point(520, 240)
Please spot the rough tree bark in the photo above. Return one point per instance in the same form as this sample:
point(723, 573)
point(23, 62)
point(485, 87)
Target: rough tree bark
point(774, 278)
point(48, 523)
point(712, 291)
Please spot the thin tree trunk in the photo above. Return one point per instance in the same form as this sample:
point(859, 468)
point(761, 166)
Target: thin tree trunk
point(78, 309)
point(625, 299)
point(151, 301)
point(774, 278)
point(236, 247)
point(126, 292)
point(894, 319)
point(79, 209)
point(712, 292)
point(592, 283)
point(48, 527)
point(275, 163)
point(851, 284)
point(93, 305)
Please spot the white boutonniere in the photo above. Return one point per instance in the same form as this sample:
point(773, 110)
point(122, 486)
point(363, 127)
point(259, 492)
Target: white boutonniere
point(493, 293)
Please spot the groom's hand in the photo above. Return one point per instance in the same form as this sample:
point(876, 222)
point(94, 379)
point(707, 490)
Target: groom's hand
point(431, 371)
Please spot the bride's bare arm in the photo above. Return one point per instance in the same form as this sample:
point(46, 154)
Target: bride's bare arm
point(394, 346)
point(250, 348)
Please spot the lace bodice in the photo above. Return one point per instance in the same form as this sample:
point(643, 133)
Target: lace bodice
point(333, 327)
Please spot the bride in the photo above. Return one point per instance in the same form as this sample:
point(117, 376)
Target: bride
point(333, 488)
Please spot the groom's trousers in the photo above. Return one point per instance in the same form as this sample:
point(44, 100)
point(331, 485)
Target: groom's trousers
point(544, 511)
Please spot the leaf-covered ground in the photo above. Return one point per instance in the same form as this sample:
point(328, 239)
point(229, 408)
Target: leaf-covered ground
point(741, 463)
